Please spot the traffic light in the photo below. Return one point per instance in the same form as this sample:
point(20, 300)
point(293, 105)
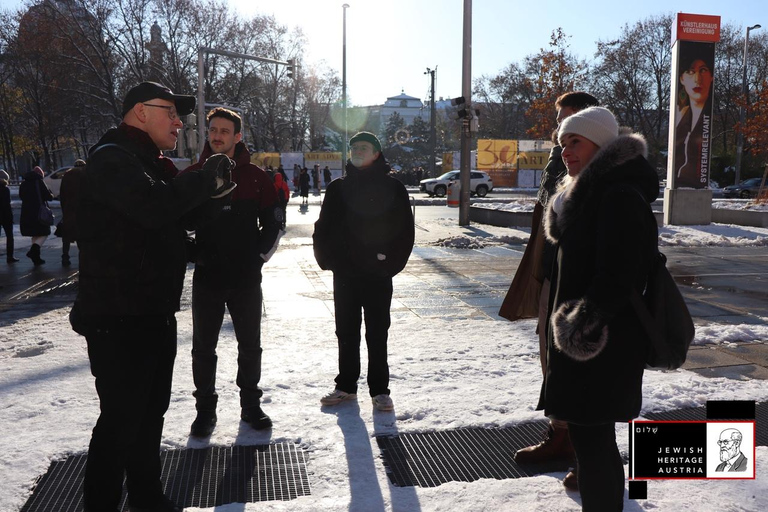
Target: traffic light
point(462, 109)
point(291, 67)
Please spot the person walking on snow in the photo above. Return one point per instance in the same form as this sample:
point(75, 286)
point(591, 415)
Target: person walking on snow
point(34, 193)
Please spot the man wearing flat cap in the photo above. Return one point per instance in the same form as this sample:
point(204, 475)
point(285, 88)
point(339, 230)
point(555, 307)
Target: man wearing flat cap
point(364, 235)
point(132, 211)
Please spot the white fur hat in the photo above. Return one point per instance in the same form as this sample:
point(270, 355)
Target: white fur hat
point(594, 123)
point(4, 175)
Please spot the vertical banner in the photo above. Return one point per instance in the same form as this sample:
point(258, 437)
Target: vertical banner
point(693, 75)
point(447, 163)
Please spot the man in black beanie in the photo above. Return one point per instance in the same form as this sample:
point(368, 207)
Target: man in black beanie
point(364, 235)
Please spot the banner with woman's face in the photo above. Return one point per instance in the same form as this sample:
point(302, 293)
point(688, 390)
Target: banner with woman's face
point(691, 130)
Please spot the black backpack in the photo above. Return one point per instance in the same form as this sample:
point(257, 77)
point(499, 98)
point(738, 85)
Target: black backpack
point(665, 318)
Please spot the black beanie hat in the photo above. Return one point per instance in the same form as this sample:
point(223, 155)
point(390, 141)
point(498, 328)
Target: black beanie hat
point(366, 137)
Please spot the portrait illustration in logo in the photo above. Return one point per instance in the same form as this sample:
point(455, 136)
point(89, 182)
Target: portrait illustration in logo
point(731, 458)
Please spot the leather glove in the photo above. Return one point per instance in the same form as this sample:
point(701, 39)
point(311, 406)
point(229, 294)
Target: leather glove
point(222, 166)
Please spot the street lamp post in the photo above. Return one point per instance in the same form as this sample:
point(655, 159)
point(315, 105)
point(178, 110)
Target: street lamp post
point(344, 91)
point(432, 120)
point(742, 110)
point(466, 132)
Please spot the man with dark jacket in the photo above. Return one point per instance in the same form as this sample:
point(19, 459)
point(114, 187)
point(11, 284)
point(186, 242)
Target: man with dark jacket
point(132, 266)
point(229, 255)
point(364, 235)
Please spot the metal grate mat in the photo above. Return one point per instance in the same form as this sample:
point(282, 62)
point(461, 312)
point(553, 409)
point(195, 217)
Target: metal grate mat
point(468, 454)
point(203, 478)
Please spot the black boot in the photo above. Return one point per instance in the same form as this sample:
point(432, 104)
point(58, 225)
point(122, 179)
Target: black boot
point(65, 261)
point(256, 418)
point(204, 424)
point(34, 255)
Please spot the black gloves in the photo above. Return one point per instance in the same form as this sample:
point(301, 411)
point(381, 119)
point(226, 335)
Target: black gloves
point(222, 166)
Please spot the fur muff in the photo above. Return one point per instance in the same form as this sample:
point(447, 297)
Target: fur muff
point(620, 150)
point(580, 332)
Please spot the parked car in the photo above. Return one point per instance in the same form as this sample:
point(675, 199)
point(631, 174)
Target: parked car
point(480, 183)
point(53, 180)
point(745, 189)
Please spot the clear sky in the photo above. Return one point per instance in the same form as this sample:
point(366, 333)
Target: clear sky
point(390, 43)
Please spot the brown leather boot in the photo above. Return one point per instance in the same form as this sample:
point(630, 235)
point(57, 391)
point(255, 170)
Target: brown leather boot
point(571, 480)
point(555, 447)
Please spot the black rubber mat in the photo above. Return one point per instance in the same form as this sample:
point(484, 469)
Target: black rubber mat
point(432, 458)
point(193, 478)
point(700, 414)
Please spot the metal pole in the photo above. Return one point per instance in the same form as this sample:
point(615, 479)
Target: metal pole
point(200, 103)
point(344, 92)
point(466, 91)
point(742, 109)
point(432, 128)
point(201, 51)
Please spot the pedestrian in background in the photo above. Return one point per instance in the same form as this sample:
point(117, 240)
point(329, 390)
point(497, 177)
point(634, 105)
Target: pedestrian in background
point(6, 216)
point(283, 194)
point(364, 235)
point(607, 238)
point(304, 185)
point(70, 189)
point(327, 176)
point(34, 195)
point(316, 177)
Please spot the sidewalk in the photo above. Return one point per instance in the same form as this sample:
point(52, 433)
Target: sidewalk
point(455, 364)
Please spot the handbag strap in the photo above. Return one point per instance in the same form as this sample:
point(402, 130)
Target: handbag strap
point(40, 195)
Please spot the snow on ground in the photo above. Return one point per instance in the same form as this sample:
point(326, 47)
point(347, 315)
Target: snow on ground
point(722, 334)
point(713, 235)
point(742, 204)
point(446, 373)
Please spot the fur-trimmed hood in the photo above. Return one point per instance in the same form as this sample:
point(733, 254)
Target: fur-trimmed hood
point(622, 161)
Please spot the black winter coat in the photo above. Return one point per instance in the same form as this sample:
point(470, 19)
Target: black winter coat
point(6, 214)
point(31, 191)
point(227, 249)
point(364, 214)
point(606, 238)
point(130, 235)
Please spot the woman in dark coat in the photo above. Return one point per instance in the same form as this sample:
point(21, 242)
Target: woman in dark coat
point(304, 185)
point(6, 216)
point(606, 237)
point(33, 192)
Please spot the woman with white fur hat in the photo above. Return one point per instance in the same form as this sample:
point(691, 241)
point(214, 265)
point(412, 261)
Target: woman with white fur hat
point(606, 237)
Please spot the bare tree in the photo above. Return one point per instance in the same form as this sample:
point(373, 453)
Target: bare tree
point(631, 78)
